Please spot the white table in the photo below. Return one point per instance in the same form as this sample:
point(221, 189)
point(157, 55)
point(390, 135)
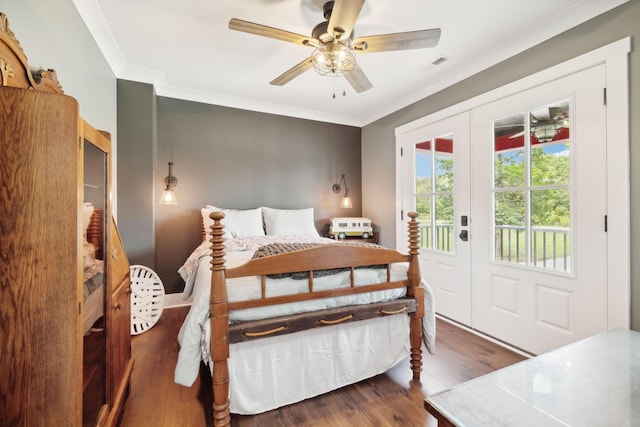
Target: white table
point(593, 382)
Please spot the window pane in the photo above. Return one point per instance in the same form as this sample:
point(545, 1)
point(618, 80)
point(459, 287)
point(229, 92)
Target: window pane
point(550, 149)
point(549, 123)
point(444, 164)
point(434, 186)
point(423, 208)
point(444, 223)
point(550, 229)
point(509, 226)
point(509, 154)
point(423, 168)
point(551, 164)
point(509, 169)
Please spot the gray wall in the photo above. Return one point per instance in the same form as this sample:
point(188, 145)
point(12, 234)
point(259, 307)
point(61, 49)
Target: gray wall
point(378, 138)
point(137, 121)
point(226, 157)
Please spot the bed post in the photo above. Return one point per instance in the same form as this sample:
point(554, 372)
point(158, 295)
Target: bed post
point(219, 324)
point(417, 293)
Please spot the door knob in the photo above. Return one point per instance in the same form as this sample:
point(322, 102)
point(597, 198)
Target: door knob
point(464, 235)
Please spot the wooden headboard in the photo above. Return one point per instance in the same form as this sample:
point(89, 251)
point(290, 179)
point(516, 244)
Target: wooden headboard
point(14, 67)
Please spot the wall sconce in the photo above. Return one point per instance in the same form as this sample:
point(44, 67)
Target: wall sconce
point(168, 195)
point(346, 200)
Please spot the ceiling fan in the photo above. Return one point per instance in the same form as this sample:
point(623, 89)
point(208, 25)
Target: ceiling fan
point(335, 44)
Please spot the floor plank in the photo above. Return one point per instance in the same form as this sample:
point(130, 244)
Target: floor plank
point(389, 399)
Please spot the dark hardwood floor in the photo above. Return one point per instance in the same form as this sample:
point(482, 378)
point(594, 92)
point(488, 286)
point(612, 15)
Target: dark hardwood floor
point(390, 399)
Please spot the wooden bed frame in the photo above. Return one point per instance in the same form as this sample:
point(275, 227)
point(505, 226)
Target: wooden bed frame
point(317, 258)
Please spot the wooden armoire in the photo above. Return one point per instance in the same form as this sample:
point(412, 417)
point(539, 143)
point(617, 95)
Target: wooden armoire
point(59, 251)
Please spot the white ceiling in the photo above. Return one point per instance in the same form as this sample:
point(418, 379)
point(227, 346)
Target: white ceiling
point(187, 51)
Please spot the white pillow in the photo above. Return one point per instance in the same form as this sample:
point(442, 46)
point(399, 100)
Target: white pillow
point(289, 222)
point(237, 223)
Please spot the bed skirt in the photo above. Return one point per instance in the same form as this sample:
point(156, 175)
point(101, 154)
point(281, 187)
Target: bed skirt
point(269, 373)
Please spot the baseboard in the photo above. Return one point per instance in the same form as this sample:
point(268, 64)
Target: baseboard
point(175, 300)
point(486, 337)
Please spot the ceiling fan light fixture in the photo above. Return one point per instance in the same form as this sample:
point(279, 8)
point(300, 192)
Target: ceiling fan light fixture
point(333, 59)
point(546, 132)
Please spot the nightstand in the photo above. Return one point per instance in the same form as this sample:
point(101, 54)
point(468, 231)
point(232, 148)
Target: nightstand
point(373, 239)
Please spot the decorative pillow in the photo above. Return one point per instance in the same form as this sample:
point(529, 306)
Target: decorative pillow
point(289, 222)
point(237, 223)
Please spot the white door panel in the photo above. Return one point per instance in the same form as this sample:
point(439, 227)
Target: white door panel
point(444, 258)
point(519, 301)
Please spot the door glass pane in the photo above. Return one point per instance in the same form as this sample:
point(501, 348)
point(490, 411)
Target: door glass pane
point(423, 208)
point(424, 191)
point(434, 187)
point(94, 289)
point(550, 226)
point(549, 123)
point(444, 188)
point(509, 226)
point(423, 169)
point(532, 188)
point(509, 152)
point(444, 222)
point(551, 164)
point(444, 164)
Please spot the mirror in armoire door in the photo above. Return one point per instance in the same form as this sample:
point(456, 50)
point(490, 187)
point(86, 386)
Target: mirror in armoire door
point(95, 214)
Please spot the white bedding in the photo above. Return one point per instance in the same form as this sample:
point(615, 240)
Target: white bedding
point(387, 339)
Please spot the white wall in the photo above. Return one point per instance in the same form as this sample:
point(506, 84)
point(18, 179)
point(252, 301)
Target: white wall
point(54, 36)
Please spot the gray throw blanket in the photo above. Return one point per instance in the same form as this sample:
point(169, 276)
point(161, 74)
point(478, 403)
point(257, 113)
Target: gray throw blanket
point(280, 248)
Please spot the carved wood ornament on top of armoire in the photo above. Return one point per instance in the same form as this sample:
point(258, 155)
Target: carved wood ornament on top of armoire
point(65, 352)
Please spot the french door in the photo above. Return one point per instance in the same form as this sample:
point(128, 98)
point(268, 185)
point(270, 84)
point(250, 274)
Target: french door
point(512, 202)
point(539, 205)
point(435, 175)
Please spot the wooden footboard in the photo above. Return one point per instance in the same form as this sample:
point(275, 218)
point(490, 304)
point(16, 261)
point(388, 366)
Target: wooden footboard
point(322, 257)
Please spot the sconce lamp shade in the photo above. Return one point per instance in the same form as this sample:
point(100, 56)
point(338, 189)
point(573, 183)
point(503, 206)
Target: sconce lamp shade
point(346, 200)
point(168, 195)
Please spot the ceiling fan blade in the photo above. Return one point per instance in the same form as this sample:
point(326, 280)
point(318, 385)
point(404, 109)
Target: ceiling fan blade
point(343, 18)
point(398, 41)
point(274, 33)
point(292, 73)
point(358, 80)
